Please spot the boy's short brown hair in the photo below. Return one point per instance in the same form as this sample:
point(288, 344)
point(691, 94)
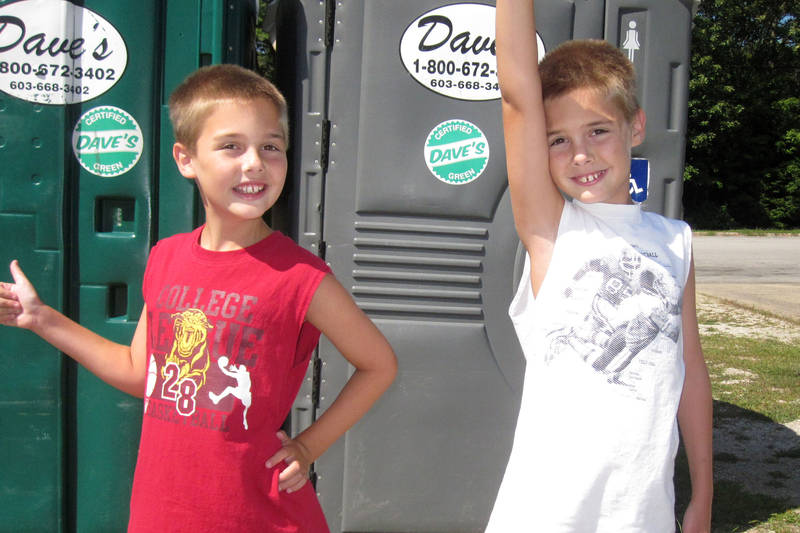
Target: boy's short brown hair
point(590, 64)
point(194, 99)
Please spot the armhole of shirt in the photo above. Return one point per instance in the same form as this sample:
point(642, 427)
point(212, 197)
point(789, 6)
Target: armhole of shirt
point(318, 274)
point(147, 270)
point(687, 245)
point(524, 289)
point(308, 335)
point(567, 220)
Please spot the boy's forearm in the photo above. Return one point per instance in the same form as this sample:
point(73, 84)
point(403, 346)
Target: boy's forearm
point(517, 56)
point(360, 392)
point(108, 360)
point(695, 421)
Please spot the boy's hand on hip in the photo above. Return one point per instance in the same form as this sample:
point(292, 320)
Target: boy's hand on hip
point(297, 458)
point(18, 301)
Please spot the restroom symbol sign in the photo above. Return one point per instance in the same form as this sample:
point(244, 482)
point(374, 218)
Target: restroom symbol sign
point(631, 41)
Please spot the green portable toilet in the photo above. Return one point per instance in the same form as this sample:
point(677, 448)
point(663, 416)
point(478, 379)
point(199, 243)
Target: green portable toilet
point(87, 184)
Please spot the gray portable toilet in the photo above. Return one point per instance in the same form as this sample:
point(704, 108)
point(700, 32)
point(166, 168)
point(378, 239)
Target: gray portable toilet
point(398, 181)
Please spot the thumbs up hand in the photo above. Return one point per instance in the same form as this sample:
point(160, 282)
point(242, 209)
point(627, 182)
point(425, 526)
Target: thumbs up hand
point(19, 302)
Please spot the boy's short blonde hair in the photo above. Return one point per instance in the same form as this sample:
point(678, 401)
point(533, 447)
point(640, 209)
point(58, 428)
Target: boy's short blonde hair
point(194, 99)
point(590, 64)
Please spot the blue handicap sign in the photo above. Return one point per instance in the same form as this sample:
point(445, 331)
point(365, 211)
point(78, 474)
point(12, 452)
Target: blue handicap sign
point(640, 179)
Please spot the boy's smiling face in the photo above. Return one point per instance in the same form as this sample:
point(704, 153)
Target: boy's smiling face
point(590, 145)
point(239, 162)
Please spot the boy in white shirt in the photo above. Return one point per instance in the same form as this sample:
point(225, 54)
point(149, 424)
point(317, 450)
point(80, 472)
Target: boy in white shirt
point(605, 310)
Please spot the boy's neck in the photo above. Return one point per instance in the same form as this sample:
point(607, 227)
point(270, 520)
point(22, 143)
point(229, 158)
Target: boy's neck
point(217, 238)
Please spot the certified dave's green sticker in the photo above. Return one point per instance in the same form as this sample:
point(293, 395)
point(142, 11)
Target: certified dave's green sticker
point(456, 152)
point(107, 141)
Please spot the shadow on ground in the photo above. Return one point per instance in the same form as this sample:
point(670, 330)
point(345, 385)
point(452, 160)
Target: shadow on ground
point(756, 470)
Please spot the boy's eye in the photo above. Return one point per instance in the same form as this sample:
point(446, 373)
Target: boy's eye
point(557, 141)
point(599, 131)
point(277, 148)
point(229, 146)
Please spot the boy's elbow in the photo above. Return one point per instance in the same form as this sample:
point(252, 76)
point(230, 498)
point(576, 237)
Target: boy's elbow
point(386, 371)
point(391, 367)
point(509, 104)
point(518, 93)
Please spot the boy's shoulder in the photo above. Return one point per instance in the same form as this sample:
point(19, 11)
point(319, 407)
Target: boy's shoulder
point(629, 222)
point(633, 215)
point(672, 226)
point(295, 253)
point(176, 240)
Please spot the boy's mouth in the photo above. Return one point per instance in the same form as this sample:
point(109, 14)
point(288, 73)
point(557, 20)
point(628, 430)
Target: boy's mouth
point(249, 188)
point(588, 179)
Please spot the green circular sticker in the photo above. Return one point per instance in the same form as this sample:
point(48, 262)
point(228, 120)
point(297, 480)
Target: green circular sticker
point(107, 141)
point(456, 152)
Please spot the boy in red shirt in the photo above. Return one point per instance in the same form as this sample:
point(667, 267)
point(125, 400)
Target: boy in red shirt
point(232, 313)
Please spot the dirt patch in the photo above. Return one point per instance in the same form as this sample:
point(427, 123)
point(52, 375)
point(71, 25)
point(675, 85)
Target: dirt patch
point(721, 317)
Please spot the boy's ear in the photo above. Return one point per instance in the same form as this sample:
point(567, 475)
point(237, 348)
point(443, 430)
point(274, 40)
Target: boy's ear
point(183, 159)
point(638, 128)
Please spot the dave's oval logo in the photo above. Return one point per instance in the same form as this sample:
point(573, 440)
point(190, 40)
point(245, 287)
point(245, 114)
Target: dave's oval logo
point(451, 51)
point(56, 52)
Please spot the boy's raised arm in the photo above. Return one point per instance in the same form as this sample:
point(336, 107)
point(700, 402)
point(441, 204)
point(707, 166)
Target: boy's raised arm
point(536, 202)
point(118, 365)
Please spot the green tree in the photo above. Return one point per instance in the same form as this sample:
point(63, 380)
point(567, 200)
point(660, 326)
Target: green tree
point(264, 39)
point(743, 146)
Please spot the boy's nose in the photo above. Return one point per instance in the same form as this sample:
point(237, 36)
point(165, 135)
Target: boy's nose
point(581, 154)
point(252, 160)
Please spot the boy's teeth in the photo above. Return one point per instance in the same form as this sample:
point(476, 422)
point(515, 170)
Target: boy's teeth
point(249, 188)
point(588, 178)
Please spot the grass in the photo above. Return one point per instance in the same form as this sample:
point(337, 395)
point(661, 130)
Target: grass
point(758, 375)
point(757, 379)
point(750, 232)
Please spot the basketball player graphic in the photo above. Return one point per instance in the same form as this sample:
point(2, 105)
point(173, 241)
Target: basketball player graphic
point(242, 388)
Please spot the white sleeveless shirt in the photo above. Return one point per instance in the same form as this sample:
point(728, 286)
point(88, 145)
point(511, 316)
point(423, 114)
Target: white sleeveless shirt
point(597, 434)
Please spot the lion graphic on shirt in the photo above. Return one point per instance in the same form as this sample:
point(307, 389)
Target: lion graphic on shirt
point(190, 349)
